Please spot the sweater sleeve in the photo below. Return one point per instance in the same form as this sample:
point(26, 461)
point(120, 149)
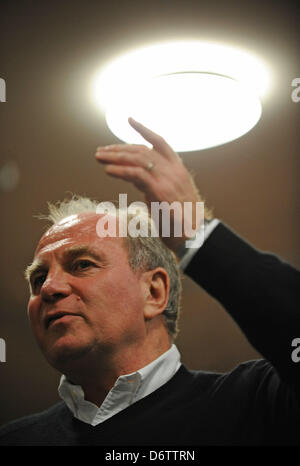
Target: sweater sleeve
point(259, 291)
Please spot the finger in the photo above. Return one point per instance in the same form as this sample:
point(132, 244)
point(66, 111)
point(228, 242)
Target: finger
point(123, 147)
point(136, 175)
point(156, 140)
point(123, 158)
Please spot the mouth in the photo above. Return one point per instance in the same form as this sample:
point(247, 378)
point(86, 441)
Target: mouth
point(62, 317)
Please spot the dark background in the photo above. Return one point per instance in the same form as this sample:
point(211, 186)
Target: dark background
point(49, 129)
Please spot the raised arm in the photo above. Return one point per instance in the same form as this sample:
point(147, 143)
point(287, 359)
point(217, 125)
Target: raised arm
point(259, 291)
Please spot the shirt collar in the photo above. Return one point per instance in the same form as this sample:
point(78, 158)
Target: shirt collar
point(127, 390)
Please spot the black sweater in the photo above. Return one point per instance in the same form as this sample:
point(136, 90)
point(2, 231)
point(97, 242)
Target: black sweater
point(257, 403)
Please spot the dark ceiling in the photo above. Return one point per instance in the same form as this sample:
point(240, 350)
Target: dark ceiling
point(49, 130)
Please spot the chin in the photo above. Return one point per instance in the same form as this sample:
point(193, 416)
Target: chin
point(63, 354)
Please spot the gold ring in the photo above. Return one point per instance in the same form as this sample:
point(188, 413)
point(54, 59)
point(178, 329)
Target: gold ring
point(149, 166)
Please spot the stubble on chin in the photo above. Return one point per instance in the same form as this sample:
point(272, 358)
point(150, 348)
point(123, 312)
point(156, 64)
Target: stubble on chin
point(63, 355)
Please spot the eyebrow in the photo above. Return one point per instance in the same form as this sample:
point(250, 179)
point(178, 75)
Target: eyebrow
point(71, 253)
point(35, 267)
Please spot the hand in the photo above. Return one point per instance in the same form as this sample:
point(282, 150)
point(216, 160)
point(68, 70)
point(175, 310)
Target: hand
point(158, 172)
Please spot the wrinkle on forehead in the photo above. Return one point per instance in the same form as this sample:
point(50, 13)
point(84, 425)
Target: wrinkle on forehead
point(54, 245)
point(67, 230)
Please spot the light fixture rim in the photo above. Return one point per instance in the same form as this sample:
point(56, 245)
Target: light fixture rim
point(213, 73)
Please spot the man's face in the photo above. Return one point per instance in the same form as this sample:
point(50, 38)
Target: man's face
point(85, 296)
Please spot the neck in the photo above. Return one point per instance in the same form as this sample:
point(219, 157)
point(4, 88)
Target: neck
point(97, 373)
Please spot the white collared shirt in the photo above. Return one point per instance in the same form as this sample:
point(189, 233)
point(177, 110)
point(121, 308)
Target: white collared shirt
point(127, 390)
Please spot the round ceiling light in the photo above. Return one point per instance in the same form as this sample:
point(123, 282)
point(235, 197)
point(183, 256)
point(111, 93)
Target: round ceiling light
point(196, 95)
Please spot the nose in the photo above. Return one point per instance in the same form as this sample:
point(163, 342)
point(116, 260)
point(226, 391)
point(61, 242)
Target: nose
point(56, 286)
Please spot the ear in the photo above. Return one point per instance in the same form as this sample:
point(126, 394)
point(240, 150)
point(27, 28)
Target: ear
point(156, 288)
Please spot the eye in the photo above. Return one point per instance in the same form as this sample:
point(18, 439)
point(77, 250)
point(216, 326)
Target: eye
point(82, 264)
point(38, 281)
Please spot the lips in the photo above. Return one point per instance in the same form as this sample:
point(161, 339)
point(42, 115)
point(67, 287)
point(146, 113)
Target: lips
point(53, 316)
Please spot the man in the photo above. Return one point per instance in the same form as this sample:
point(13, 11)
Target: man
point(104, 313)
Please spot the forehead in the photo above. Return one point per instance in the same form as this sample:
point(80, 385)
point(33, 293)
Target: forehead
point(76, 230)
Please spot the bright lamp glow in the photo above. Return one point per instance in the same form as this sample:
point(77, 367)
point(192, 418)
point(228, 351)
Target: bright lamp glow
point(196, 95)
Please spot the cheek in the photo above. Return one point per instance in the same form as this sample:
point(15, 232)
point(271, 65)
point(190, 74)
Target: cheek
point(128, 299)
point(127, 286)
point(120, 293)
point(33, 313)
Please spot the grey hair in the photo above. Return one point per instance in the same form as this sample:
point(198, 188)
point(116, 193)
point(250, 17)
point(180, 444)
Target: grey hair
point(145, 252)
